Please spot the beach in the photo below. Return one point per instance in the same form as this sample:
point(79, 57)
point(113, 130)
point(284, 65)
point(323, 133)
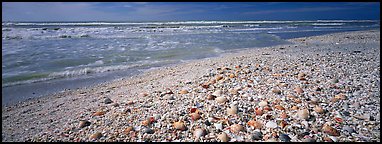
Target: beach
point(319, 88)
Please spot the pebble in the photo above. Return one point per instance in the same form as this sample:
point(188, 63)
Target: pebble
point(108, 101)
point(257, 135)
point(284, 138)
point(148, 130)
point(308, 140)
point(271, 124)
point(348, 129)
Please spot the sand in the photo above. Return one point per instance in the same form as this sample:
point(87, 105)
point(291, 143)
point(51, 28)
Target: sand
point(56, 117)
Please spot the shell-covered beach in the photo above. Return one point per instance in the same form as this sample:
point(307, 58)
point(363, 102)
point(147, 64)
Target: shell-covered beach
point(317, 89)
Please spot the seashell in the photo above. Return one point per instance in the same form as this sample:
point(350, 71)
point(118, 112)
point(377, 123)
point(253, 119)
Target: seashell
point(255, 124)
point(328, 139)
point(314, 100)
point(219, 77)
point(334, 100)
point(217, 93)
point(283, 85)
point(301, 75)
point(283, 115)
point(183, 91)
point(211, 97)
point(294, 108)
point(143, 94)
point(329, 130)
point(258, 111)
point(232, 111)
point(128, 130)
point(233, 91)
point(267, 108)
point(271, 124)
point(276, 91)
point(232, 76)
point(168, 91)
point(195, 116)
point(205, 85)
point(146, 122)
point(303, 114)
point(283, 124)
point(338, 119)
point(236, 128)
point(340, 96)
point(96, 135)
point(237, 66)
point(318, 109)
point(297, 100)
point(99, 113)
point(279, 107)
point(83, 123)
point(115, 104)
point(221, 99)
point(223, 137)
point(298, 90)
point(179, 125)
point(263, 103)
point(130, 102)
point(194, 110)
point(199, 133)
point(218, 126)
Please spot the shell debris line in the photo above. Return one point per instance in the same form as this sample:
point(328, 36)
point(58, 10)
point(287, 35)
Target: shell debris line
point(309, 91)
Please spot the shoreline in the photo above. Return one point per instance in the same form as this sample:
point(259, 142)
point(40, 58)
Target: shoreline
point(54, 115)
point(23, 92)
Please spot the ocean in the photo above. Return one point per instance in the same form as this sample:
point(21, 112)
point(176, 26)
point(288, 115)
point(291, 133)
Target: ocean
point(39, 58)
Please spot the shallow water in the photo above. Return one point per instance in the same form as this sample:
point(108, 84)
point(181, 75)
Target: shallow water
point(39, 52)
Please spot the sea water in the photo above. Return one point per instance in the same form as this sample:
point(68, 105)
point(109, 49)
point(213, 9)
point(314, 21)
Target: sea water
point(43, 57)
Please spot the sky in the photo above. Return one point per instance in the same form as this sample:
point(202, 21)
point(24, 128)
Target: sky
point(181, 11)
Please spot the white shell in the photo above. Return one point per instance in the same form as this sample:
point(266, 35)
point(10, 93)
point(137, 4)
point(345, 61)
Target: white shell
point(217, 93)
point(263, 103)
point(271, 124)
point(221, 99)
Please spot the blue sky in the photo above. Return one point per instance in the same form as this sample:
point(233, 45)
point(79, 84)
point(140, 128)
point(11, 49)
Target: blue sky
point(164, 11)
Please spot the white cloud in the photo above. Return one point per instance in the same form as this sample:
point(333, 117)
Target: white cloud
point(315, 9)
point(54, 11)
